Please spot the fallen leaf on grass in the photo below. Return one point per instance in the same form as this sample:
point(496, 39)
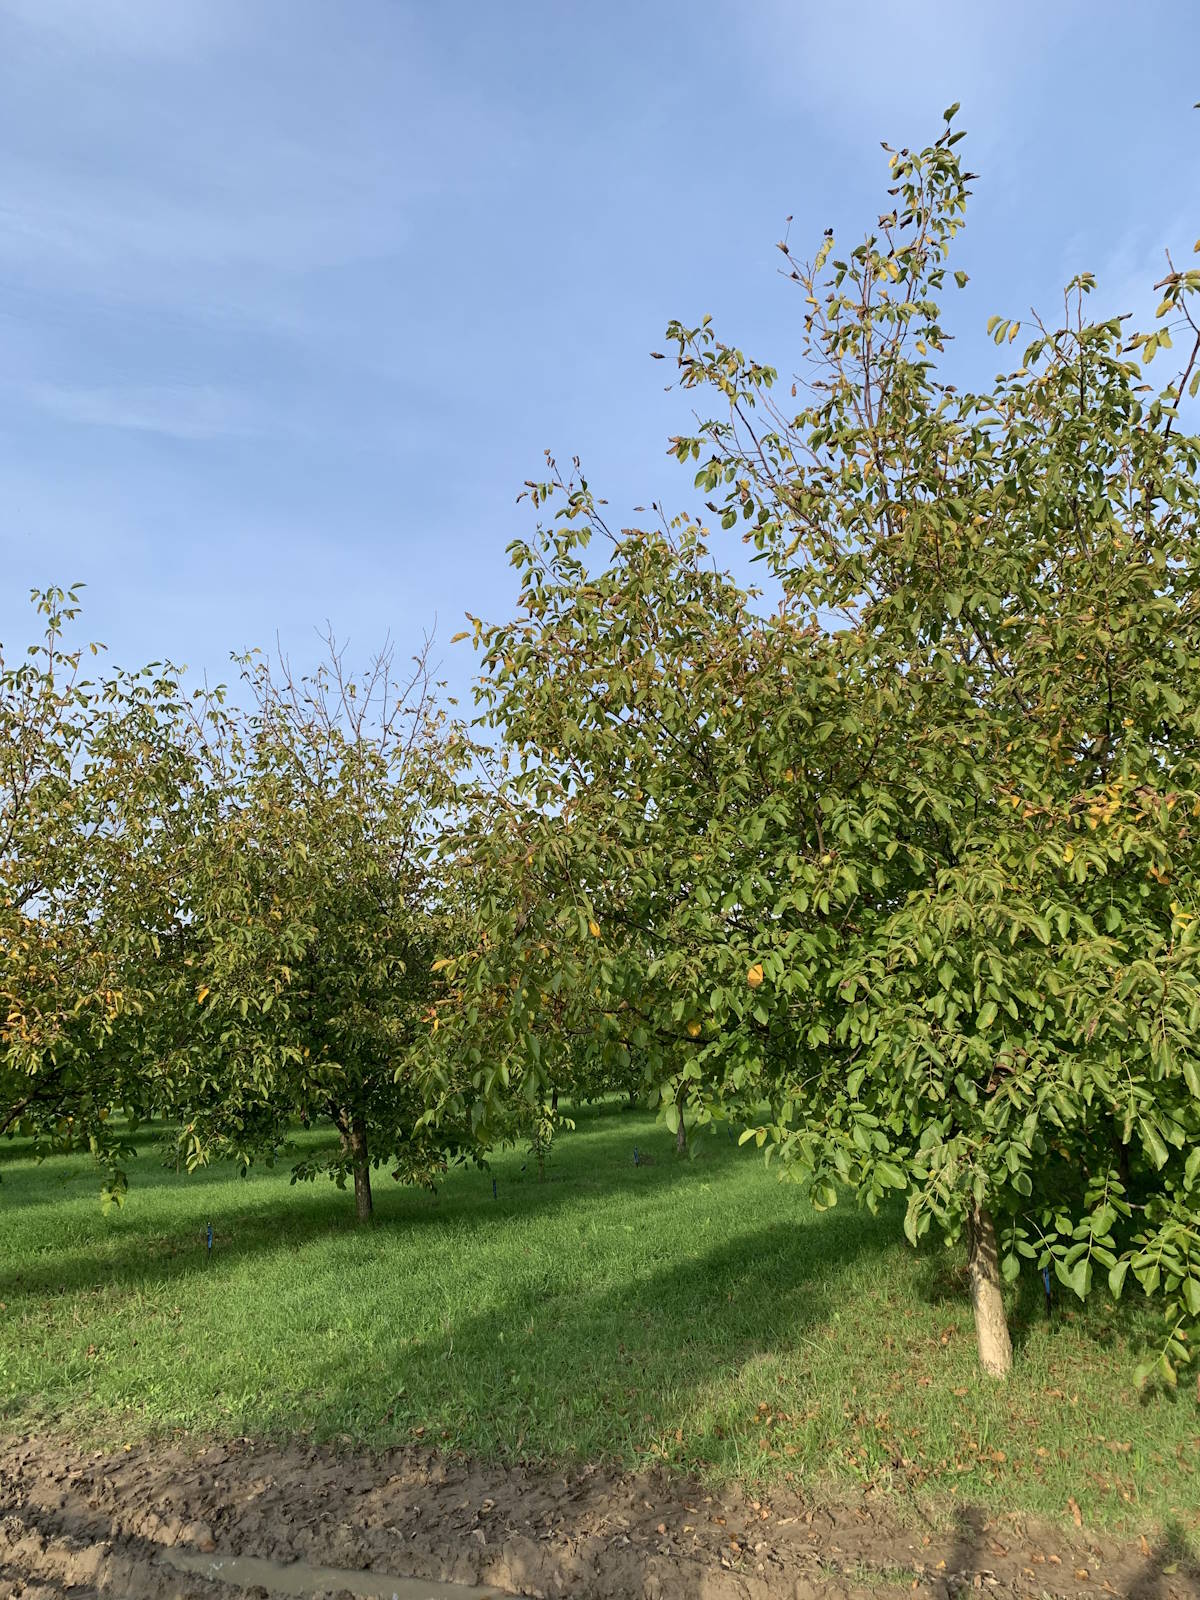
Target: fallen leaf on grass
point(1073, 1508)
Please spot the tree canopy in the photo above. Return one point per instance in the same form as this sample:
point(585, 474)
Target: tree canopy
point(911, 857)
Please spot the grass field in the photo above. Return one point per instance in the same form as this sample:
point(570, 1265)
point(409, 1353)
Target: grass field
point(693, 1311)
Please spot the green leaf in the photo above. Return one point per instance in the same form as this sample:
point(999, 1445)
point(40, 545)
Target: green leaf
point(1152, 1143)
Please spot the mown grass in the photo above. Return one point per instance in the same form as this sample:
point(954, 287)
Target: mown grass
point(695, 1311)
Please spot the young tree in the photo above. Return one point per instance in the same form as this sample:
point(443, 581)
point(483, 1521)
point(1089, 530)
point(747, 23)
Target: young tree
point(92, 771)
point(314, 913)
point(912, 858)
point(1016, 581)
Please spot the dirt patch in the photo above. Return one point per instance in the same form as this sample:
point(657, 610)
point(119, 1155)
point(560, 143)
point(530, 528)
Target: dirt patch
point(98, 1524)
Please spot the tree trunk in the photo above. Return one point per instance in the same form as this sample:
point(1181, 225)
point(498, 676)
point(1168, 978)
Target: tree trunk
point(681, 1130)
point(554, 1101)
point(363, 1205)
point(987, 1302)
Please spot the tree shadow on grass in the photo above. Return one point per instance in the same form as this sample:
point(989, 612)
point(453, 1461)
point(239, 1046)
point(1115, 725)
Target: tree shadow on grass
point(622, 1362)
point(137, 1249)
point(29, 1181)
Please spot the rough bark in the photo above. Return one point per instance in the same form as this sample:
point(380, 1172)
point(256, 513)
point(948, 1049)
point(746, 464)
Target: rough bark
point(987, 1301)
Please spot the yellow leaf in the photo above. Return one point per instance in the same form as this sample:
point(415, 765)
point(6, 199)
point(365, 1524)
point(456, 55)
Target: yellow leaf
point(594, 928)
point(755, 976)
point(1013, 331)
point(693, 1029)
point(1068, 852)
point(202, 995)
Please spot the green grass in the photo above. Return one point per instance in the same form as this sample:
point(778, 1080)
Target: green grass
point(696, 1311)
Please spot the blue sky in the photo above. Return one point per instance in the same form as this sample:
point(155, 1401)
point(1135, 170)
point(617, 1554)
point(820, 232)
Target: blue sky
point(293, 294)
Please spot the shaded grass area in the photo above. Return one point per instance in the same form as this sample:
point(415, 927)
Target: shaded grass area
point(696, 1312)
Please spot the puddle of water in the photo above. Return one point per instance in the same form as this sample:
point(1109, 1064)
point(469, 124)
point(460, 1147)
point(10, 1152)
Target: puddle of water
point(296, 1578)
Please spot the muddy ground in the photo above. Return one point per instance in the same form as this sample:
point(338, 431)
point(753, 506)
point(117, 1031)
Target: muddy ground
point(92, 1524)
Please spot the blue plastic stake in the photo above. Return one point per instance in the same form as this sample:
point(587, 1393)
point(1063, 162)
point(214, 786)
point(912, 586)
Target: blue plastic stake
point(493, 1188)
point(1046, 1287)
point(635, 1156)
point(210, 1238)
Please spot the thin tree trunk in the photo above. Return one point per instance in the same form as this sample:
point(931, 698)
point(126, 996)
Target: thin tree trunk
point(987, 1302)
point(554, 1101)
point(363, 1205)
point(681, 1130)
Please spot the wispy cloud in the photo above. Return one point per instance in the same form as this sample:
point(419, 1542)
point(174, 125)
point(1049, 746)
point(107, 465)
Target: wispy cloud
point(226, 186)
point(177, 411)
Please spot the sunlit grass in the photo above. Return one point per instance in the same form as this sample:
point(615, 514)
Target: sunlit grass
point(693, 1311)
